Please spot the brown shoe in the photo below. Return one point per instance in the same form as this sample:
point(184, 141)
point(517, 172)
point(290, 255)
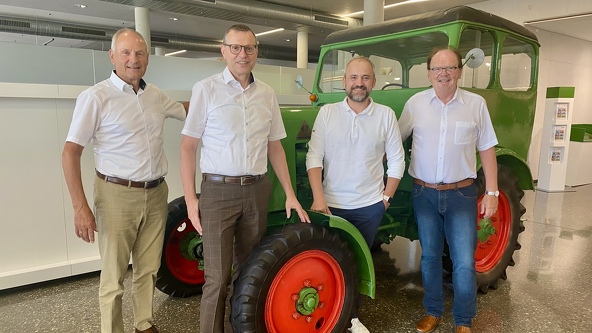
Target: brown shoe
point(463, 329)
point(428, 324)
point(151, 329)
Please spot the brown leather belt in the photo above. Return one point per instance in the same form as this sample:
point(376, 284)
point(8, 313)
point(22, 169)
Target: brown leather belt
point(130, 183)
point(445, 186)
point(242, 180)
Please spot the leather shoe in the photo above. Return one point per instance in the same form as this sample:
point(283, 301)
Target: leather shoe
point(428, 324)
point(151, 329)
point(463, 329)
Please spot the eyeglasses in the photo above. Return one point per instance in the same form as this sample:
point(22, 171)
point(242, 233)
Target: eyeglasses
point(236, 48)
point(448, 69)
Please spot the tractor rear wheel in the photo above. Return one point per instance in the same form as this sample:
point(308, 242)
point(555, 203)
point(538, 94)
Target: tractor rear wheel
point(494, 255)
point(179, 274)
point(301, 278)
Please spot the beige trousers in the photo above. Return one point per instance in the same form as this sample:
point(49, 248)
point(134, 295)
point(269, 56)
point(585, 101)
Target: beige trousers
point(130, 221)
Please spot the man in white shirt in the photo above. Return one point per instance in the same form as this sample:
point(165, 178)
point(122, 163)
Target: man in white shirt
point(124, 118)
point(448, 125)
point(349, 142)
point(238, 121)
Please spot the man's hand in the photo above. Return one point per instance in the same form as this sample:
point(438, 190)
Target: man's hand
point(84, 224)
point(292, 203)
point(488, 205)
point(193, 214)
point(320, 206)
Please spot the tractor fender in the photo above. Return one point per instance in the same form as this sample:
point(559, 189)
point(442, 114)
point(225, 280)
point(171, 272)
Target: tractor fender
point(356, 242)
point(517, 164)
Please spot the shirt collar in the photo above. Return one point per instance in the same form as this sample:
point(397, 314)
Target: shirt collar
point(120, 84)
point(368, 110)
point(456, 96)
point(229, 78)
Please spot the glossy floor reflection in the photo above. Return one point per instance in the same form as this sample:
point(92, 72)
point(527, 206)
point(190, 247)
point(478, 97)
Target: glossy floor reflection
point(547, 291)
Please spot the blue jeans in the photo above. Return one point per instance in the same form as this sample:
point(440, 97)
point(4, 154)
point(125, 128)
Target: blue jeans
point(450, 215)
point(367, 220)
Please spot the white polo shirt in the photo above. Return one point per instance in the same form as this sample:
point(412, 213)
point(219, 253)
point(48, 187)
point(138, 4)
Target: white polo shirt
point(350, 148)
point(446, 137)
point(234, 124)
point(126, 128)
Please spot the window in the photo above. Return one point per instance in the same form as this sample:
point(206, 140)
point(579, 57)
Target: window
point(479, 77)
point(516, 65)
point(399, 63)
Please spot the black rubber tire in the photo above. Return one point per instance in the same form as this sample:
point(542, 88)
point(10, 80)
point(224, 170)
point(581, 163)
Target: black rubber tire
point(255, 279)
point(508, 185)
point(166, 278)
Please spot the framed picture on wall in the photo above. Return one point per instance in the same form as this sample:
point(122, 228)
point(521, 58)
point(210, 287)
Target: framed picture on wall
point(561, 111)
point(556, 155)
point(558, 133)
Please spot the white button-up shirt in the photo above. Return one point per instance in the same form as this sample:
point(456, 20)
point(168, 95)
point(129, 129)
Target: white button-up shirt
point(234, 124)
point(446, 136)
point(126, 128)
point(350, 148)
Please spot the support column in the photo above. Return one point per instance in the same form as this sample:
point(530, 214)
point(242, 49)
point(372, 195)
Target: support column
point(159, 51)
point(142, 17)
point(302, 50)
point(373, 11)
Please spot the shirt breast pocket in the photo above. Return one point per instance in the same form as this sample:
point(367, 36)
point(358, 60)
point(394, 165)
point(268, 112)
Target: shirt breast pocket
point(465, 133)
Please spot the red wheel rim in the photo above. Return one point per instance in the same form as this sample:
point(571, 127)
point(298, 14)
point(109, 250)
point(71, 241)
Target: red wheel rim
point(184, 270)
point(316, 269)
point(489, 253)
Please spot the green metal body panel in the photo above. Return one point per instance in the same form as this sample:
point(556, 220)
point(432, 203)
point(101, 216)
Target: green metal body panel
point(512, 114)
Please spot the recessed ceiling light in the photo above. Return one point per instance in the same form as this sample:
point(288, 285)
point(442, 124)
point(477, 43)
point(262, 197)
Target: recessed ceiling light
point(287, 40)
point(79, 5)
point(173, 19)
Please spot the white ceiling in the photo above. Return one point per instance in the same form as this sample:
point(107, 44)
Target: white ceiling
point(114, 14)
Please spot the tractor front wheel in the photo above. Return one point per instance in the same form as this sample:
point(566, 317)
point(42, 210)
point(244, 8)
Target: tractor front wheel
point(301, 278)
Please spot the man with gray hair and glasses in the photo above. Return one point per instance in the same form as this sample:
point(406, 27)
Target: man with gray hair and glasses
point(238, 121)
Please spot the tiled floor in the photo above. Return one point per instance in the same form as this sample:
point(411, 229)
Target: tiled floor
point(548, 291)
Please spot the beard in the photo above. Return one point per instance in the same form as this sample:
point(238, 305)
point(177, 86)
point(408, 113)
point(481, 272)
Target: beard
point(360, 97)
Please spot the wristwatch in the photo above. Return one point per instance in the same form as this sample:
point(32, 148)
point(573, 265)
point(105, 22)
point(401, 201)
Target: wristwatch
point(387, 198)
point(495, 194)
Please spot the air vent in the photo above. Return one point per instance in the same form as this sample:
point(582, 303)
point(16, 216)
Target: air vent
point(159, 39)
point(11, 23)
point(328, 19)
point(83, 31)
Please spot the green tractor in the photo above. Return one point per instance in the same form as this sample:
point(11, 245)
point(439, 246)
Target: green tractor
point(304, 277)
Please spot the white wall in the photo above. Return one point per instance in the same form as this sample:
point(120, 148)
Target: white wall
point(564, 61)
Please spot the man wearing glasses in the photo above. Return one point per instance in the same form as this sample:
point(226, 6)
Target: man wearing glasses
point(448, 124)
point(238, 121)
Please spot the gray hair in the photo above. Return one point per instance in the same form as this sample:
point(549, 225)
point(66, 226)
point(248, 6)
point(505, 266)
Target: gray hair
point(122, 31)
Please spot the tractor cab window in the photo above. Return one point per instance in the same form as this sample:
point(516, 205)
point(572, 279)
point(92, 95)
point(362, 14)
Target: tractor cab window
point(479, 77)
point(399, 63)
point(517, 65)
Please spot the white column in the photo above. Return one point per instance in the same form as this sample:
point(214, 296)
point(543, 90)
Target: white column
point(302, 50)
point(142, 17)
point(373, 11)
point(555, 139)
point(159, 51)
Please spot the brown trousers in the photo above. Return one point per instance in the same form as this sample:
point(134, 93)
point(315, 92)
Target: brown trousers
point(234, 220)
